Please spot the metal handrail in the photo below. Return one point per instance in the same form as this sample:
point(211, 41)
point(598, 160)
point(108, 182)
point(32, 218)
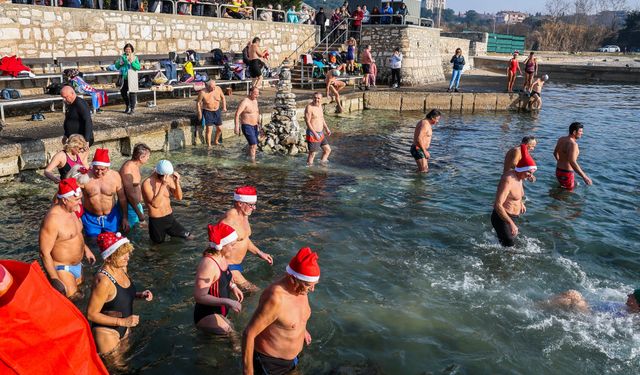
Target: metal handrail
point(192, 3)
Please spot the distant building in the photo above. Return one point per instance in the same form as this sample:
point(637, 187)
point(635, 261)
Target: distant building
point(508, 17)
point(432, 5)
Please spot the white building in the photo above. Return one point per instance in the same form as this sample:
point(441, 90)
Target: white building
point(434, 4)
point(510, 17)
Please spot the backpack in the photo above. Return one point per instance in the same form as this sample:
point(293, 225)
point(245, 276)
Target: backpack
point(245, 55)
point(8, 94)
point(218, 56)
point(54, 89)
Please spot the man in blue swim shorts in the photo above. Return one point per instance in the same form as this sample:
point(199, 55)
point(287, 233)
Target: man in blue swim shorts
point(210, 104)
point(101, 194)
point(131, 180)
point(244, 203)
point(248, 116)
point(62, 245)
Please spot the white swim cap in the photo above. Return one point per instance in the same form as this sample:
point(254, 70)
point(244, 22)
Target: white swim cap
point(164, 168)
point(336, 72)
point(545, 77)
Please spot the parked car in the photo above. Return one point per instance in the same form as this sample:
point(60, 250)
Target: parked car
point(609, 48)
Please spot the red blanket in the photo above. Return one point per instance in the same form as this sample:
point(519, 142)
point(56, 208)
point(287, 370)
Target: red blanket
point(41, 331)
point(11, 66)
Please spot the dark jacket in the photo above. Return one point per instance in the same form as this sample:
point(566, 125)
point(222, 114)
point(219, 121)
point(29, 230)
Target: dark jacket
point(321, 18)
point(458, 62)
point(77, 120)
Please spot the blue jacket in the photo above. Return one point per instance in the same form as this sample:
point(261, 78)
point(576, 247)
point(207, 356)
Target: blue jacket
point(458, 62)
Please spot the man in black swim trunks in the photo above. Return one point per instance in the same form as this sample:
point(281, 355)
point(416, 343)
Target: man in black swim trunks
point(422, 140)
point(277, 331)
point(210, 104)
point(535, 100)
point(256, 56)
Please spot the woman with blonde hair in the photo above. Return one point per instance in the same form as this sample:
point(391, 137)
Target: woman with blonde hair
point(75, 152)
point(213, 287)
point(351, 55)
point(111, 304)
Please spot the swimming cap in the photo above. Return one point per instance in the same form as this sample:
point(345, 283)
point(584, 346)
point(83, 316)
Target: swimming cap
point(336, 72)
point(545, 77)
point(636, 295)
point(164, 168)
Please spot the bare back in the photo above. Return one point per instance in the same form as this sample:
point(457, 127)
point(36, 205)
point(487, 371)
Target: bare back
point(61, 232)
point(511, 159)
point(537, 86)
point(422, 134)
point(314, 118)
point(284, 338)
point(240, 223)
point(100, 193)
point(131, 180)
point(254, 51)
point(250, 114)
point(566, 152)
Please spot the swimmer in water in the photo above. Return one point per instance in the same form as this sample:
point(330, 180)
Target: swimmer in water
point(572, 300)
point(317, 130)
point(566, 154)
point(535, 100)
point(422, 140)
point(508, 204)
point(513, 156)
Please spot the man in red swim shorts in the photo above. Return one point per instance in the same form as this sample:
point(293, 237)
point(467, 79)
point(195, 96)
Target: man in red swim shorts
point(566, 154)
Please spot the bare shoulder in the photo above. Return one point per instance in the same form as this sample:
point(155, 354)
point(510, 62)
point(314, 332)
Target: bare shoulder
point(230, 217)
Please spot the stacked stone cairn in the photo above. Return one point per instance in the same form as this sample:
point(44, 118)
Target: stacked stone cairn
point(283, 135)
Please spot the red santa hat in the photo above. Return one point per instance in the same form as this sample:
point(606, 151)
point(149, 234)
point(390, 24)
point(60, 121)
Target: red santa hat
point(304, 266)
point(221, 235)
point(68, 187)
point(109, 242)
point(246, 194)
point(526, 163)
point(101, 158)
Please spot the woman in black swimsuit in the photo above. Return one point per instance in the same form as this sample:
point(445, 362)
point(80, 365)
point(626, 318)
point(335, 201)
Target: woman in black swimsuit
point(214, 287)
point(111, 304)
point(75, 151)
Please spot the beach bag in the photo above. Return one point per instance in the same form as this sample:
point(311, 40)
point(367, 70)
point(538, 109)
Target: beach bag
point(218, 56)
point(159, 79)
point(9, 94)
point(42, 332)
point(132, 78)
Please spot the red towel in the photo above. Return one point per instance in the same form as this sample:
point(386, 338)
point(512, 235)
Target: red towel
point(12, 66)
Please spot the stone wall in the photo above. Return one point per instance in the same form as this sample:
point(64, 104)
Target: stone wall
point(420, 47)
point(37, 31)
point(474, 36)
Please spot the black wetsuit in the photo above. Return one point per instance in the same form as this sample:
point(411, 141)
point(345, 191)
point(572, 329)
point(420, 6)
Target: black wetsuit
point(122, 303)
point(503, 230)
point(77, 120)
point(219, 288)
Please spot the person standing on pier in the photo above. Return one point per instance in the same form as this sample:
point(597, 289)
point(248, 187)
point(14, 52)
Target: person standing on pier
point(210, 104)
point(102, 194)
point(530, 71)
point(248, 116)
point(566, 154)
point(132, 180)
point(422, 140)
point(277, 331)
point(508, 204)
point(512, 69)
point(77, 117)
point(316, 127)
point(458, 65)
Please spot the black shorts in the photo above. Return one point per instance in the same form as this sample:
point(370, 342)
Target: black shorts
point(317, 146)
point(503, 230)
point(366, 68)
point(265, 365)
point(211, 118)
point(255, 68)
point(161, 226)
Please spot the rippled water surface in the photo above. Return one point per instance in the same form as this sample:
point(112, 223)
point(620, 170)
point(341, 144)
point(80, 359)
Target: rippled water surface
point(413, 279)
